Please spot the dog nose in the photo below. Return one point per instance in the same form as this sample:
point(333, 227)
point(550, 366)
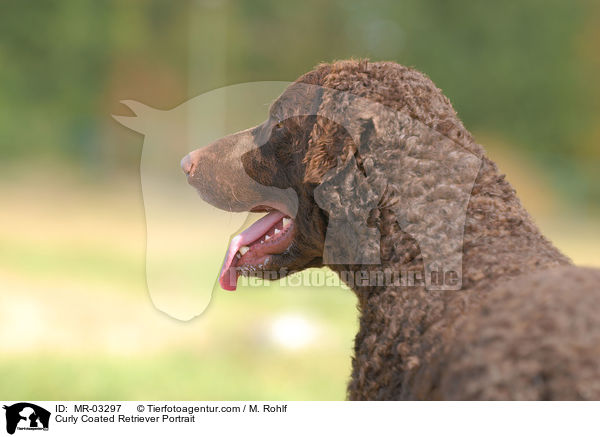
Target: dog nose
point(187, 165)
point(190, 162)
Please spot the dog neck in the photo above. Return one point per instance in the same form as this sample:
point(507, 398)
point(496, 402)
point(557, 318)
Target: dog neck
point(500, 242)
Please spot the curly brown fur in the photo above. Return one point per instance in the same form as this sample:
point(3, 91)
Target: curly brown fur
point(524, 325)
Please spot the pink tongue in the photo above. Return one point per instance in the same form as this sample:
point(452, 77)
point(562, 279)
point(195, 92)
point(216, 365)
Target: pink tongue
point(228, 276)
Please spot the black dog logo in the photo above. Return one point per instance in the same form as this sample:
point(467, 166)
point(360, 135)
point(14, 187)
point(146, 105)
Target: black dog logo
point(26, 416)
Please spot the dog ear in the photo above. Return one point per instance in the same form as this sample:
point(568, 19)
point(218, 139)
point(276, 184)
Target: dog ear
point(349, 191)
point(348, 196)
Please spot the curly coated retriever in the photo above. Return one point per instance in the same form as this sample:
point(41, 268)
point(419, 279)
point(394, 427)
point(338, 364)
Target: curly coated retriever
point(366, 168)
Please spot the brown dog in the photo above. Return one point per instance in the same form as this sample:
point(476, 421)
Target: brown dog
point(367, 168)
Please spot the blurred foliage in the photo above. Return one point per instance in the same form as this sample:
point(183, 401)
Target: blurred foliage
point(521, 70)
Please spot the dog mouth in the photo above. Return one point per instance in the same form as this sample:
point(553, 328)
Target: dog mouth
point(251, 250)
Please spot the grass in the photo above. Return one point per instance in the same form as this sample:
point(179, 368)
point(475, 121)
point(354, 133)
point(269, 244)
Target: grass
point(178, 375)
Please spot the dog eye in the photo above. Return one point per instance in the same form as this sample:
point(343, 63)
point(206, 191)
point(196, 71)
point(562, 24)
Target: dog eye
point(279, 124)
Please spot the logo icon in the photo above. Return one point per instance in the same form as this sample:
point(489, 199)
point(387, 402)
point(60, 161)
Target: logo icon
point(26, 416)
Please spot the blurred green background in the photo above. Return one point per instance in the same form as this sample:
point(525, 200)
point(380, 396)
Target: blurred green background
point(76, 321)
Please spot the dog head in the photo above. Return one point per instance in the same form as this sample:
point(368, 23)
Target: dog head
point(335, 129)
point(262, 169)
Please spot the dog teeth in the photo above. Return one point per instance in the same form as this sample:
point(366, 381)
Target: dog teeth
point(267, 238)
point(244, 249)
point(277, 231)
point(286, 221)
